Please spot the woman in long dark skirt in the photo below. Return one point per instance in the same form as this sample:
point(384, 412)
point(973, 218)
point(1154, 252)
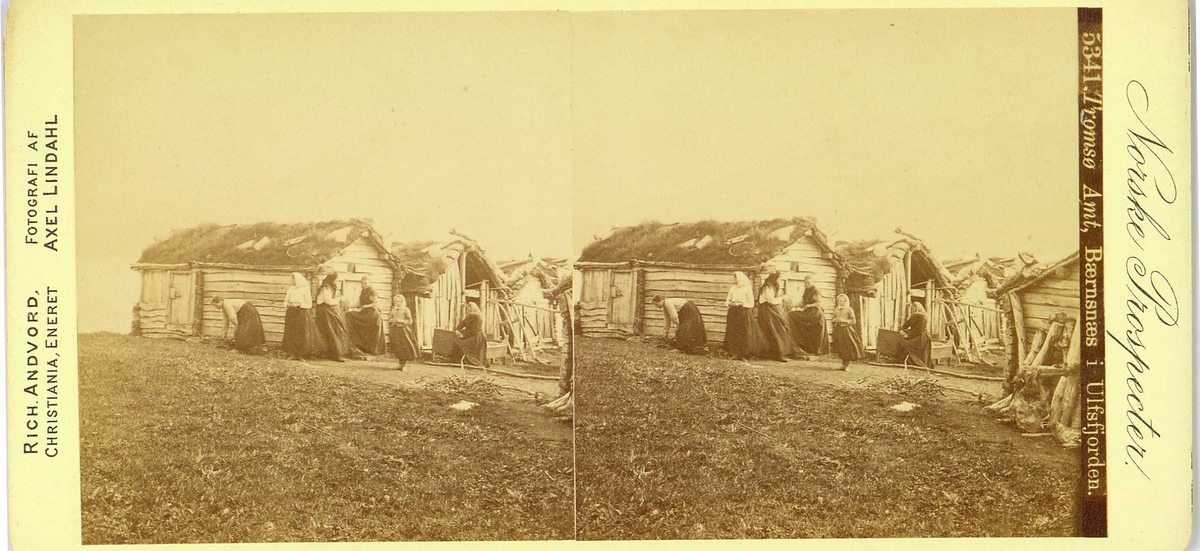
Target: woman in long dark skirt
point(772, 321)
point(298, 323)
point(471, 346)
point(808, 321)
point(330, 323)
point(248, 335)
point(365, 325)
point(402, 336)
point(739, 302)
point(846, 342)
point(916, 345)
point(684, 317)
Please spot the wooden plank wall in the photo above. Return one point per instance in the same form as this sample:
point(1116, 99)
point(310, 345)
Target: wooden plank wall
point(1055, 293)
point(885, 310)
point(152, 306)
point(266, 289)
point(594, 294)
point(707, 289)
point(442, 310)
point(367, 259)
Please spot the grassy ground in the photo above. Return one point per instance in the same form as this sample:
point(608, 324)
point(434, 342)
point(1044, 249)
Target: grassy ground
point(672, 446)
point(184, 442)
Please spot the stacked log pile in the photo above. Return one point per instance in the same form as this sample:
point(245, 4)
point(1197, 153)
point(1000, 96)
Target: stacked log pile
point(1044, 389)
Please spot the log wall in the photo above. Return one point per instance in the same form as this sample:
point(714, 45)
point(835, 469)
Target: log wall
point(1057, 292)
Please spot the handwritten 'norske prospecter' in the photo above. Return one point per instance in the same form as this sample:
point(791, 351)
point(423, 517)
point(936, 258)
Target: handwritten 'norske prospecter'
point(1151, 301)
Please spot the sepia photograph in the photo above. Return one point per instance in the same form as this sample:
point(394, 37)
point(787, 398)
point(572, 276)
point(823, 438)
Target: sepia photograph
point(828, 274)
point(324, 277)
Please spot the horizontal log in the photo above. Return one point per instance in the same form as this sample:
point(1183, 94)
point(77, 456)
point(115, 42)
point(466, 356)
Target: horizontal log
point(211, 277)
point(1051, 301)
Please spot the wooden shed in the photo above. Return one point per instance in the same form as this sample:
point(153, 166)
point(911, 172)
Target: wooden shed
point(622, 272)
point(184, 272)
point(888, 275)
point(1032, 300)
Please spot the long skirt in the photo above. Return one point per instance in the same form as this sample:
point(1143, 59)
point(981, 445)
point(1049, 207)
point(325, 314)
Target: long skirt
point(757, 345)
point(846, 342)
point(690, 336)
point(365, 329)
point(809, 332)
point(737, 326)
point(403, 341)
point(471, 350)
point(299, 332)
point(332, 328)
point(249, 334)
point(917, 348)
point(775, 331)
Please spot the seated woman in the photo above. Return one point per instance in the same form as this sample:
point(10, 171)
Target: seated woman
point(916, 345)
point(331, 325)
point(685, 318)
point(471, 345)
point(364, 325)
point(243, 318)
point(808, 321)
point(402, 336)
point(846, 342)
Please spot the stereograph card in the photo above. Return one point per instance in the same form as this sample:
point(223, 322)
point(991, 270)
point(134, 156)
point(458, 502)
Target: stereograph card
point(381, 275)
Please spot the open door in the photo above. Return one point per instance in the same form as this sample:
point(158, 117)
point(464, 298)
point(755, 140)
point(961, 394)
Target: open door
point(181, 302)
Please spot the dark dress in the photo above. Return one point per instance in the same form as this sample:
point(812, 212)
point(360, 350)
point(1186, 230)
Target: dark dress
point(332, 328)
point(403, 339)
point(365, 327)
point(737, 327)
point(471, 347)
point(299, 332)
point(846, 342)
point(809, 331)
point(916, 344)
point(775, 331)
point(690, 336)
point(757, 344)
point(249, 334)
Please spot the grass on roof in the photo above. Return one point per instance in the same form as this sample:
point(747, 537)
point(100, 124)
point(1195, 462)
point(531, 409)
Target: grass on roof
point(656, 241)
point(219, 244)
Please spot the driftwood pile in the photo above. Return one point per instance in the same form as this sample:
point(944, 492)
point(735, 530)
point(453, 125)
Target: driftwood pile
point(1045, 399)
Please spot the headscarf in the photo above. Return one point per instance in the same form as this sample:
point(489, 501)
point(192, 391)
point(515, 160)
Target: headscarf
point(918, 308)
point(772, 280)
point(742, 280)
point(473, 308)
point(366, 280)
point(400, 301)
point(843, 298)
point(301, 289)
point(330, 281)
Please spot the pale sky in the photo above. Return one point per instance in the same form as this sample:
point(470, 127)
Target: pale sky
point(520, 129)
point(957, 125)
point(421, 122)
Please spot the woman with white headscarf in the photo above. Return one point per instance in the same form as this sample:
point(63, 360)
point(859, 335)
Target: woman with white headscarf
point(298, 325)
point(471, 346)
point(916, 344)
point(739, 302)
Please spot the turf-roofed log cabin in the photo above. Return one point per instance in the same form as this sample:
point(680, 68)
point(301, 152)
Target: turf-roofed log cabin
point(184, 272)
point(623, 271)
